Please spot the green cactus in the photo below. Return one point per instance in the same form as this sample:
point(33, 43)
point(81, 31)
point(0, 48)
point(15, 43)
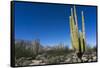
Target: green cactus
point(77, 37)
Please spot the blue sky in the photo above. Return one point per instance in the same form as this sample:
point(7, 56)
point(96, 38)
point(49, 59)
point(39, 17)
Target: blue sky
point(50, 22)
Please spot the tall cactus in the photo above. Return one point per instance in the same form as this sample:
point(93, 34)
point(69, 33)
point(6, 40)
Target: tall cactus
point(36, 45)
point(83, 30)
point(77, 38)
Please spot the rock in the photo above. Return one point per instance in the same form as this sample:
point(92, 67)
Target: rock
point(90, 60)
point(78, 60)
point(22, 61)
point(68, 60)
point(74, 60)
point(94, 58)
point(26, 63)
point(36, 62)
point(84, 58)
point(52, 59)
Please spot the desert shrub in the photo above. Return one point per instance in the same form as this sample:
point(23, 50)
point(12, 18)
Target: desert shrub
point(94, 48)
point(54, 60)
point(21, 51)
point(58, 51)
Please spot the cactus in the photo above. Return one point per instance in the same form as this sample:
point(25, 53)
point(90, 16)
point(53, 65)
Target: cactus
point(36, 45)
point(77, 37)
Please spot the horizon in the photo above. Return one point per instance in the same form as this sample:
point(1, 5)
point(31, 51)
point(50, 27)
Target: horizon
point(50, 23)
